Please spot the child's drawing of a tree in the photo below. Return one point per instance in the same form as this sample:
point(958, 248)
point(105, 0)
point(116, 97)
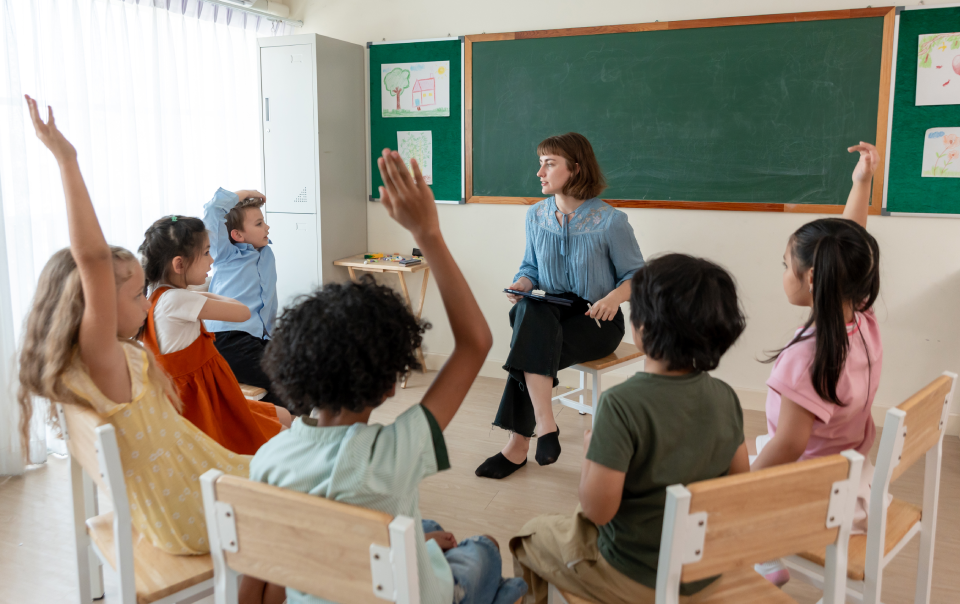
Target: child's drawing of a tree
point(931, 42)
point(396, 82)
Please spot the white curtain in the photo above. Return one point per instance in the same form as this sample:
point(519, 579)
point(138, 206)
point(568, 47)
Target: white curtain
point(160, 99)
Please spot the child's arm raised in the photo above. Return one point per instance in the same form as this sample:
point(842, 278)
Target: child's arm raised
point(411, 204)
point(100, 350)
point(858, 202)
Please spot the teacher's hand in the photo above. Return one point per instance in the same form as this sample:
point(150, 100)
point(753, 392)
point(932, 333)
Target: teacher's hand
point(523, 285)
point(605, 308)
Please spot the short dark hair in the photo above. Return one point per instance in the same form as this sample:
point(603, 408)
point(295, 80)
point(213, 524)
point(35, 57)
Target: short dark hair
point(586, 183)
point(342, 347)
point(688, 309)
point(167, 238)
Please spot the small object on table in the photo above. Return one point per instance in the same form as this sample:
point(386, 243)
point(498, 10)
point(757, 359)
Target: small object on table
point(416, 252)
point(410, 262)
point(372, 256)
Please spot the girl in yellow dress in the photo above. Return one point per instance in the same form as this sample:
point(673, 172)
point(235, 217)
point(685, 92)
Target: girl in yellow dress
point(78, 349)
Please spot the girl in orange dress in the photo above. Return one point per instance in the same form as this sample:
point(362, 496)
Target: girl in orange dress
point(176, 254)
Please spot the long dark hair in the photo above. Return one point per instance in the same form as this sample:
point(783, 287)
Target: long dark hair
point(845, 259)
point(167, 238)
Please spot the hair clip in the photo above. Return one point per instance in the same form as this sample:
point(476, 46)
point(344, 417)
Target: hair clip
point(173, 218)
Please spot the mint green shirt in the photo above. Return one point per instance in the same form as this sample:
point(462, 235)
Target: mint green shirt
point(368, 465)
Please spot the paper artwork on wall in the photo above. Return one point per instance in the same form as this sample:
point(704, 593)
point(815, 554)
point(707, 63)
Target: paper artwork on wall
point(417, 144)
point(938, 69)
point(415, 89)
point(941, 153)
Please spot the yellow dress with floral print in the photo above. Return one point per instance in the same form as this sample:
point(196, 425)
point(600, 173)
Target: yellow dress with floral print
point(163, 456)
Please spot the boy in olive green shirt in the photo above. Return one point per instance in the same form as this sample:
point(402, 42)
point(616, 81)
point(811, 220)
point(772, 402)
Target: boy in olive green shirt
point(672, 423)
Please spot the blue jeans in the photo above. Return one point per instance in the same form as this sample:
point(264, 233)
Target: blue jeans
point(476, 567)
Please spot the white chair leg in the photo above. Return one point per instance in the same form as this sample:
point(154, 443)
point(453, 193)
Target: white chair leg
point(92, 508)
point(554, 596)
point(80, 537)
point(928, 523)
point(596, 396)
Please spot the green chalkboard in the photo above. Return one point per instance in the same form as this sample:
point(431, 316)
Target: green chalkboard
point(747, 113)
point(447, 131)
point(907, 191)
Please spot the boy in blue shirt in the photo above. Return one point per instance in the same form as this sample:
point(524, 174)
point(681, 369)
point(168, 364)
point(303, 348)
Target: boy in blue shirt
point(245, 269)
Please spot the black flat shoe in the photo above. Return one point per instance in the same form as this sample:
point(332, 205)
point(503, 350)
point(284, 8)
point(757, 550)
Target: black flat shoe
point(498, 467)
point(548, 448)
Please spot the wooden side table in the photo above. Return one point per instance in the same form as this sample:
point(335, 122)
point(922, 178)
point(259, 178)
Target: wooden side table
point(355, 263)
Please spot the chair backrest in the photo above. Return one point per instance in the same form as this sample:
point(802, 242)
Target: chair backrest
point(93, 444)
point(736, 521)
point(79, 426)
point(915, 426)
point(336, 551)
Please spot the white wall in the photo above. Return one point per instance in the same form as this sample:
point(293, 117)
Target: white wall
point(920, 286)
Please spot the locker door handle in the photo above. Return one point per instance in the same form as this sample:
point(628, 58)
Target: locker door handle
point(268, 108)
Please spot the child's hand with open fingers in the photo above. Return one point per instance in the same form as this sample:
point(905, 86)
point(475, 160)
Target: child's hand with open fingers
point(248, 193)
point(49, 135)
point(407, 198)
point(869, 160)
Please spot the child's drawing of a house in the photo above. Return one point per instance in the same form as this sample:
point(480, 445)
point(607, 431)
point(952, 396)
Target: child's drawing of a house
point(424, 93)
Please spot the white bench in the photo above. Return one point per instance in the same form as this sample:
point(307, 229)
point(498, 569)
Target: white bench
point(625, 354)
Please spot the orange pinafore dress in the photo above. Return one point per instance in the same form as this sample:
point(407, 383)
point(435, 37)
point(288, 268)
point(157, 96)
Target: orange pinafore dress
point(211, 395)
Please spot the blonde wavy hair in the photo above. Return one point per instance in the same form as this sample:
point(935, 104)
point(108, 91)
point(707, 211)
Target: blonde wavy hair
point(51, 338)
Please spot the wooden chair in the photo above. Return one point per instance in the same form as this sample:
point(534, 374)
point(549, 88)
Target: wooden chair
point(253, 393)
point(911, 431)
point(146, 574)
point(339, 552)
point(625, 354)
point(726, 525)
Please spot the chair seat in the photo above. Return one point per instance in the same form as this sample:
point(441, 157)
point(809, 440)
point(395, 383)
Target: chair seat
point(901, 517)
point(624, 352)
point(253, 393)
point(744, 586)
point(157, 573)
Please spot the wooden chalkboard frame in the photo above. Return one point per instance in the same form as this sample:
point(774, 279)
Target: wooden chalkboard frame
point(886, 60)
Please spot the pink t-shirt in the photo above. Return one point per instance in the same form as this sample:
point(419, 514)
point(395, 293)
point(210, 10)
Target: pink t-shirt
point(836, 428)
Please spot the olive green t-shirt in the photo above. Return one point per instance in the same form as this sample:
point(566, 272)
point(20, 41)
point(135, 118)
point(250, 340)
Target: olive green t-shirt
point(660, 430)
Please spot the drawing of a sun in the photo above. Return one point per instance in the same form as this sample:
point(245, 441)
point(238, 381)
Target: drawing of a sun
point(441, 70)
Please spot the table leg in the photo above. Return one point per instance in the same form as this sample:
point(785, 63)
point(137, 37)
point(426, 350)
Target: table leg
point(353, 274)
point(423, 296)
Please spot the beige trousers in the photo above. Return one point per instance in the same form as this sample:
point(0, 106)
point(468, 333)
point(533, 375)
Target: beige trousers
point(562, 550)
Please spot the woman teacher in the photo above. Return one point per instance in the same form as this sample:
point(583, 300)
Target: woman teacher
point(578, 248)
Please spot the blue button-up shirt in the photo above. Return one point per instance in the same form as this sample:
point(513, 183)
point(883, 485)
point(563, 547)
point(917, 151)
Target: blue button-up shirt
point(590, 254)
point(240, 271)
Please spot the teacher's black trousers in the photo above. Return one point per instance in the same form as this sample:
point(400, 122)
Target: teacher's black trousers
point(546, 338)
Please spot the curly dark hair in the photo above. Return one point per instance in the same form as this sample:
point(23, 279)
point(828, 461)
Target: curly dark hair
point(167, 238)
point(688, 309)
point(342, 347)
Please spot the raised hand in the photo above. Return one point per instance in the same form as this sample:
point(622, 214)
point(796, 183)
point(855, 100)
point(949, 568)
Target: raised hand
point(407, 199)
point(869, 160)
point(248, 193)
point(49, 135)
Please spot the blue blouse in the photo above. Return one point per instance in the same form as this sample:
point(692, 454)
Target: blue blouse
point(590, 255)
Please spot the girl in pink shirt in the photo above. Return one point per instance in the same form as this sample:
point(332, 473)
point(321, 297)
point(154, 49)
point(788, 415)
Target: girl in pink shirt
point(824, 380)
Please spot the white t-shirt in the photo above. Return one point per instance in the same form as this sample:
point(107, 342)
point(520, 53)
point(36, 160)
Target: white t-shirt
point(176, 317)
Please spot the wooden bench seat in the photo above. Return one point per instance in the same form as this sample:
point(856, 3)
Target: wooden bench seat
point(901, 517)
point(157, 573)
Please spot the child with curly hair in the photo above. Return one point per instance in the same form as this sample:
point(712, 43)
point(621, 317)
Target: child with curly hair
point(79, 350)
point(334, 358)
point(176, 254)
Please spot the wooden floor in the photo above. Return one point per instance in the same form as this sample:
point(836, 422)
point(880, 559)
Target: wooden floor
point(37, 561)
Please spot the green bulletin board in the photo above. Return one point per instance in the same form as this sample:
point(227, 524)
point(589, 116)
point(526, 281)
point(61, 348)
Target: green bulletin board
point(907, 191)
point(447, 132)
